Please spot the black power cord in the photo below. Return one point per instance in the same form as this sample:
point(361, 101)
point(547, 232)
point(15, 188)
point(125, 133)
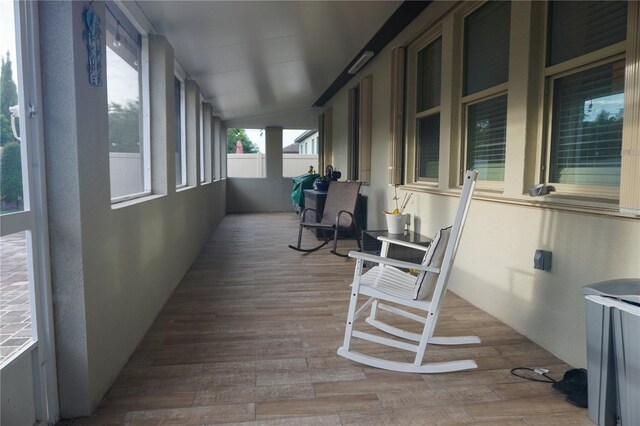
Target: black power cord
point(539, 371)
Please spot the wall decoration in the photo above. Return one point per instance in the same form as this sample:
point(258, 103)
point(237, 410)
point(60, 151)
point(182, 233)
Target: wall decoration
point(92, 37)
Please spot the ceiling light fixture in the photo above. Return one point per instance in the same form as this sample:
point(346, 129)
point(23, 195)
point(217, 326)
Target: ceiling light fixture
point(116, 41)
point(363, 59)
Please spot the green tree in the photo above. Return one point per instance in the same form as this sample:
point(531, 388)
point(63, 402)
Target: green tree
point(124, 127)
point(235, 135)
point(8, 98)
point(11, 175)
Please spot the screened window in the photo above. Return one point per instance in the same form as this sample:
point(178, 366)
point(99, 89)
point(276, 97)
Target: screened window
point(428, 85)
point(129, 151)
point(587, 95)
point(429, 76)
point(486, 51)
point(428, 130)
point(487, 130)
point(587, 119)
point(180, 145)
point(577, 28)
point(486, 70)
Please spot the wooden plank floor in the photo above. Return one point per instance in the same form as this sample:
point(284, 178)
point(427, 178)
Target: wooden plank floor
point(250, 337)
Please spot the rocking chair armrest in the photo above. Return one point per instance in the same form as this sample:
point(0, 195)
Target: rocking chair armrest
point(391, 262)
point(340, 213)
point(403, 243)
point(304, 212)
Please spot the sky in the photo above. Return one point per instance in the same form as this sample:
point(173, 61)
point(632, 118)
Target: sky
point(124, 80)
point(7, 33)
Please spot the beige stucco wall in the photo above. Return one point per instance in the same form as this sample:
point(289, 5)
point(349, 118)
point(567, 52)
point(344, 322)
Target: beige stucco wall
point(494, 269)
point(113, 266)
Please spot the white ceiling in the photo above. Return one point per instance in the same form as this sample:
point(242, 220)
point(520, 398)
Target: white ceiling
point(264, 63)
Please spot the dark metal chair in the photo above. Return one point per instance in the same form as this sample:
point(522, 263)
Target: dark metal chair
point(338, 217)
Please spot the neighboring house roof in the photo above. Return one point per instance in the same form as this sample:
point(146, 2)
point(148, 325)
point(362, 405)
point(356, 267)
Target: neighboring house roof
point(304, 136)
point(290, 149)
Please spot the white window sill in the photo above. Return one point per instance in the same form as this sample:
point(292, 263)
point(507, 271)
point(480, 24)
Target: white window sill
point(553, 201)
point(134, 201)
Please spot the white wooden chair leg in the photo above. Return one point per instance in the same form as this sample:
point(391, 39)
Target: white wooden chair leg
point(372, 313)
point(426, 333)
point(353, 303)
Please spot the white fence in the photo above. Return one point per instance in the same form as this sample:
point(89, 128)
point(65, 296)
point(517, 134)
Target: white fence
point(254, 165)
point(125, 173)
point(126, 168)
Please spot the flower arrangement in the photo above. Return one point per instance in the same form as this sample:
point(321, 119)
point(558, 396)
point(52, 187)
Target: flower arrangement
point(403, 204)
point(396, 219)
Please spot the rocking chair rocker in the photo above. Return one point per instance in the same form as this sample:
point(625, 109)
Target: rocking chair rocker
point(338, 216)
point(388, 283)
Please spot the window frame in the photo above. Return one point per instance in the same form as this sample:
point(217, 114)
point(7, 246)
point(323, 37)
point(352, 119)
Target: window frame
point(474, 98)
point(145, 116)
point(413, 115)
point(551, 74)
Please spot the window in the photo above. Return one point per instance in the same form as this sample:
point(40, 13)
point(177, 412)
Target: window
point(359, 130)
point(354, 133)
point(428, 78)
point(486, 136)
point(485, 74)
point(586, 135)
point(586, 71)
point(216, 147)
point(207, 135)
point(180, 144)
point(201, 145)
point(576, 29)
point(129, 148)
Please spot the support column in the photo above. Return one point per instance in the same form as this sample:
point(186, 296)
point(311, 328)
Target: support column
point(273, 142)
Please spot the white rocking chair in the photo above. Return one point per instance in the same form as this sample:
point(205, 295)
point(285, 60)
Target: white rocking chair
point(387, 283)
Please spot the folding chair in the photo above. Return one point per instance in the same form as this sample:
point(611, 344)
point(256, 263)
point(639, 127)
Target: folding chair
point(388, 283)
point(338, 216)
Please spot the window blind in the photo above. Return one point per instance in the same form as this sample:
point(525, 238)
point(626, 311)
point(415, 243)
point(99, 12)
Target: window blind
point(428, 130)
point(577, 28)
point(429, 76)
point(486, 47)
point(486, 138)
point(586, 139)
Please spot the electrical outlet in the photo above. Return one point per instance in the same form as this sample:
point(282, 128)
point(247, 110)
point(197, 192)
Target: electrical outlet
point(542, 260)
